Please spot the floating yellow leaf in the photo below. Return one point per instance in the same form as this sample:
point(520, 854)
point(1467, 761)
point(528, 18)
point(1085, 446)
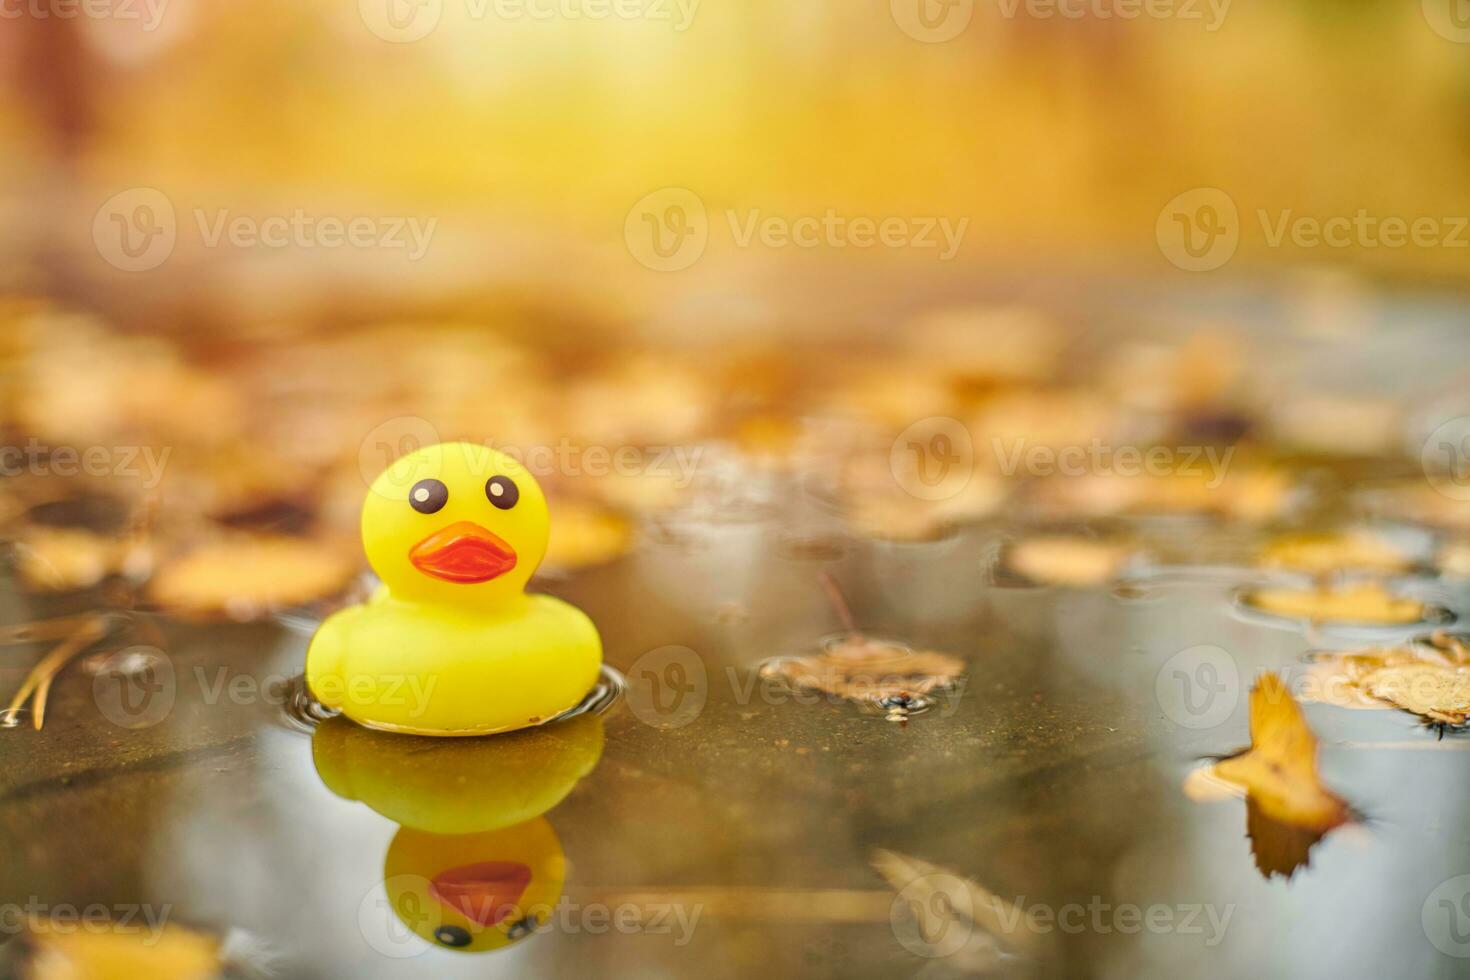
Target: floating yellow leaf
point(1072, 560)
point(1287, 808)
point(1331, 551)
point(245, 576)
point(1279, 771)
point(1361, 602)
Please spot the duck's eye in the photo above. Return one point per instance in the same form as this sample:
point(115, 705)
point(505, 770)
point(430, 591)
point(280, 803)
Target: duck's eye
point(502, 491)
point(428, 496)
point(524, 927)
point(452, 935)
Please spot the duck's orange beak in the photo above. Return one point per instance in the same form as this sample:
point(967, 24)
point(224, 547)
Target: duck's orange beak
point(463, 552)
point(485, 892)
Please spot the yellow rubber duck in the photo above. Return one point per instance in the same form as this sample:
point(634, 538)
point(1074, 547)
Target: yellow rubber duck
point(475, 865)
point(452, 644)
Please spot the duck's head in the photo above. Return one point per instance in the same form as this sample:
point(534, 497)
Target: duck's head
point(475, 892)
point(455, 523)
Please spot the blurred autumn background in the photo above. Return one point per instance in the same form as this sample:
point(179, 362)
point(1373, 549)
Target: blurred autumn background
point(1023, 218)
point(527, 131)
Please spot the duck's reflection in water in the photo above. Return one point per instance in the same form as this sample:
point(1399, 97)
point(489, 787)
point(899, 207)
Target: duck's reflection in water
point(475, 865)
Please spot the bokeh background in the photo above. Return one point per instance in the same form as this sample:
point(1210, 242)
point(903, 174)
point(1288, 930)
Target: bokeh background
point(528, 131)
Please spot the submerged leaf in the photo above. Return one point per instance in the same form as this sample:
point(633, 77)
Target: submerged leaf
point(870, 671)
point(938, 896)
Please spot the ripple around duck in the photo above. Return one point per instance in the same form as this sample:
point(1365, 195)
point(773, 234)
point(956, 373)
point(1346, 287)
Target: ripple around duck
point(301, 712)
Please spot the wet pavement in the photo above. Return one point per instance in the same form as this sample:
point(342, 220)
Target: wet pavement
point(710, 823)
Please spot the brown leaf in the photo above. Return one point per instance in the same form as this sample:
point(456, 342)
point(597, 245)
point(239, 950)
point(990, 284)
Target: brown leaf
point(1429, 677)
point(1433, 691)
point(867, 670)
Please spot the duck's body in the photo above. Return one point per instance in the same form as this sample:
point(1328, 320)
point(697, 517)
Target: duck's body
point(430, 670)
point(452, 645)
